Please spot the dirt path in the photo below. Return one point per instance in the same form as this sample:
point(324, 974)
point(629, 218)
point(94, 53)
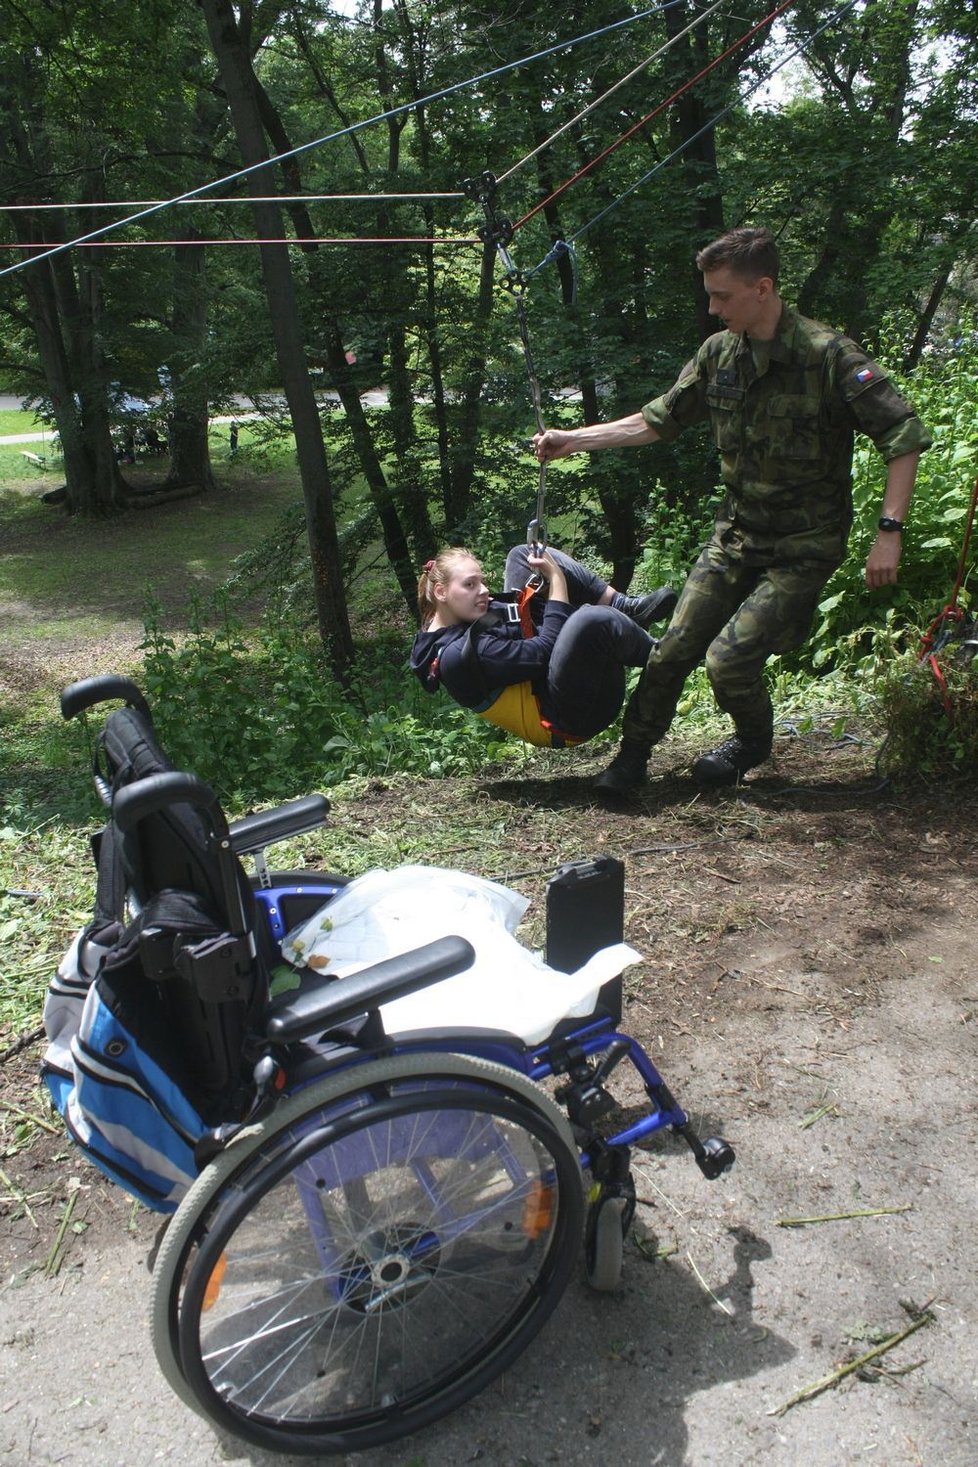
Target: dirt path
point(810, 992)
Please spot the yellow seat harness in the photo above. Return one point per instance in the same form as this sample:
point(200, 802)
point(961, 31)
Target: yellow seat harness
point(516, 707)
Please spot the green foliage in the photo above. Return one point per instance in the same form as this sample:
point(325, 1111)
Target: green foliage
point(673, 539)
point(261, 718)
point(931, 715)
point(854, 623)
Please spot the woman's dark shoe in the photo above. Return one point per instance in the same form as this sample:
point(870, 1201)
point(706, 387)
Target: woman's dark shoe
point(645, 610)
point(626, 772)
point(728, 761)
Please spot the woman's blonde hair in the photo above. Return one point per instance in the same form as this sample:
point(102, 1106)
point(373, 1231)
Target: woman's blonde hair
point(435, 572)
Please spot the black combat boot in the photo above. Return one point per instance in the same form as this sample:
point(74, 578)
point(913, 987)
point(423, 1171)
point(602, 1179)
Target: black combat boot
point(644, 610)
point(626, 772)
point(728, 761)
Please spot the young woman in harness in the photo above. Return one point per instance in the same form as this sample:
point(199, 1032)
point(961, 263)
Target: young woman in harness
point(547, 659)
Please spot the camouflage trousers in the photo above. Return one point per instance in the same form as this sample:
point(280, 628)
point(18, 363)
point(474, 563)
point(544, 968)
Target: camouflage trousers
point(734, 614)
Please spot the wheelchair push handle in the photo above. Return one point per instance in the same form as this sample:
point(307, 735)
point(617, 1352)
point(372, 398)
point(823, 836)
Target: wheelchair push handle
point(254, 832)
point(157, 791)
point(77, 697)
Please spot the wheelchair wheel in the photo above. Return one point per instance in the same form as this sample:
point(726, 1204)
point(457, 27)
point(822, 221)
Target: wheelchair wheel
point(371, 1256)
point(604, 1242)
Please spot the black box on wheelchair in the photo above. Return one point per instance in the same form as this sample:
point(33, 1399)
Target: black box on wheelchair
point(374, 1203)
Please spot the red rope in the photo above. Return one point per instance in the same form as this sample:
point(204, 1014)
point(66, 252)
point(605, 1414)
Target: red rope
point(952, 612)
point(941, 681)
point(741, 40)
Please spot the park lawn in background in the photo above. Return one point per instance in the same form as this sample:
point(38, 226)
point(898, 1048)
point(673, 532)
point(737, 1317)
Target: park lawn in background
point(62, 575)
point(16, 420)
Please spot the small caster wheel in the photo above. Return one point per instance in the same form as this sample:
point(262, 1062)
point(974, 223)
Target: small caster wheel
point(718, 1157)
point(604, 1245)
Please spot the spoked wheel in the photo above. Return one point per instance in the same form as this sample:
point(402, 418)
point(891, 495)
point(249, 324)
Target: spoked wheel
point(376, 1252)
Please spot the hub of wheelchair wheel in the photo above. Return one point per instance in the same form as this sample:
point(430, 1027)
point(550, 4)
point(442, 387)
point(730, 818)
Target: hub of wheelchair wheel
point(389, 1267)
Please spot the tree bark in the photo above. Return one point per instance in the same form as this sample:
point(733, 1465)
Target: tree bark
point(190, 461)
point(239, 84)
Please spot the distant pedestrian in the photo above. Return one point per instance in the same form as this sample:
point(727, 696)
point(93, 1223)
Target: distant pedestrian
point(233, 437)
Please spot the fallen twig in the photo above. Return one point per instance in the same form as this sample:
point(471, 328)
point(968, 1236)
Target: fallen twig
point(725, 1307)
point(818, 1112)
point(18, 1194)
point(27, 1115)
point(835, 1376)
point(23, 1041)
point(799, 1222)
point(55, 1258)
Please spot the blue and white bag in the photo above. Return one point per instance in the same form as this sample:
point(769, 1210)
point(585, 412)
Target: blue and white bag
point(119, 1103)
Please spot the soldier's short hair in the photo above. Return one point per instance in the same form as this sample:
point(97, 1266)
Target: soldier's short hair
point(749, 253)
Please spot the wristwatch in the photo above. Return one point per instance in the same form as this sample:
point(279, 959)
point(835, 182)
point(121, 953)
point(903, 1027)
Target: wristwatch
point(887, 522)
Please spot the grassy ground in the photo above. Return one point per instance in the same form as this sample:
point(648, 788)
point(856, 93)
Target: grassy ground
point(14, 420)
point(64, 578)
point(71, 601)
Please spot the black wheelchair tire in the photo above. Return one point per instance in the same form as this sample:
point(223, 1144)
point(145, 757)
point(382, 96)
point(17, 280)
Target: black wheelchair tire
point(326, 1116)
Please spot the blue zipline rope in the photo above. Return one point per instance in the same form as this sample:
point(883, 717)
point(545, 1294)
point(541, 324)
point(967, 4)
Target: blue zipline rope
point(342, 132)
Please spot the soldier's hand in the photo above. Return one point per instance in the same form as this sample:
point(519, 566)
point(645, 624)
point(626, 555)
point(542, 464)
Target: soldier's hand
point(883, 561)
point(553, 443)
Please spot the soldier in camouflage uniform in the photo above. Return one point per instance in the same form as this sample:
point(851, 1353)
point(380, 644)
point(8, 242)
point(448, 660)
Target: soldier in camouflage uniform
point(784, 396)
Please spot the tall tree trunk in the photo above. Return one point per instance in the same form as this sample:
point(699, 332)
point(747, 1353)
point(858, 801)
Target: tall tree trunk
point(190, 461)
point(395, 539)
point(64, 315)
point(699, 157)
point(240, 87)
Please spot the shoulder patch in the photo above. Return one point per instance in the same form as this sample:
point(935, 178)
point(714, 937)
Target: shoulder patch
point(859, 374)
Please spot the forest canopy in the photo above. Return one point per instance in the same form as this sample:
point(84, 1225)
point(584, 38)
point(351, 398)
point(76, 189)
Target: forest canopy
point(425, 156)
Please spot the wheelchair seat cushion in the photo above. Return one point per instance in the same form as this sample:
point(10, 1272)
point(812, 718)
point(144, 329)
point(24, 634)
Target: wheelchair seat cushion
point(508, 990)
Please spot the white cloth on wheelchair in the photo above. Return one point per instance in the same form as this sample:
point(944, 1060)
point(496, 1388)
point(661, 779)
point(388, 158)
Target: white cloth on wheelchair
point(507, 989)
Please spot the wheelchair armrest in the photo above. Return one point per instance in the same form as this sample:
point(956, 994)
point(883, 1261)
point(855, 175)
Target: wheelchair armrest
point(331, 1001)
point(255, 832)
point(91, 690)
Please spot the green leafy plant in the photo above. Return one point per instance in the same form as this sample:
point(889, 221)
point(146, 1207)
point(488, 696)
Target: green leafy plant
point(930, 711)
point(852, 619)
point(260, 716)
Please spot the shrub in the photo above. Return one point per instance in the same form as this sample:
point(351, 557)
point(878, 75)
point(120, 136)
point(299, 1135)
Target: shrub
point(850, 617)
point(930, 711)
point(261, 717)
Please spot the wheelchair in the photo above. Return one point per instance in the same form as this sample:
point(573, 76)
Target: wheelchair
point(379, 1222)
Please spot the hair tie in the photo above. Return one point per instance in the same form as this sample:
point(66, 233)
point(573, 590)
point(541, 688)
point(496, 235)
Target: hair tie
point(428, 566)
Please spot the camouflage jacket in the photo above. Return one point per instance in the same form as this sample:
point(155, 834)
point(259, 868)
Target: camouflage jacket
point(783, 415)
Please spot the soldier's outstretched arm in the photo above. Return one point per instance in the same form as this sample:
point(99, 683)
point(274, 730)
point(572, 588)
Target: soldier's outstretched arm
point(622, 433)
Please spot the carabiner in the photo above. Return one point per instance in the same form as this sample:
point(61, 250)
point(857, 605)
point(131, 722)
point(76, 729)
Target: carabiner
point(536, 536)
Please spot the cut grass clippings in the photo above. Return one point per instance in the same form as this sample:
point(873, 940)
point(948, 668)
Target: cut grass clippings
point(800, 1222)
point(851, 1367)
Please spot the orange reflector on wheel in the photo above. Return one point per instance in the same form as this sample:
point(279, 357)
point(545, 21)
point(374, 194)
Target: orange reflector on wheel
point(538, 1209)
point(214, 1283)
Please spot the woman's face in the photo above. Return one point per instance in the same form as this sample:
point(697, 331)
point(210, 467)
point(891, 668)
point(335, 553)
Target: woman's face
point(464, 596)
